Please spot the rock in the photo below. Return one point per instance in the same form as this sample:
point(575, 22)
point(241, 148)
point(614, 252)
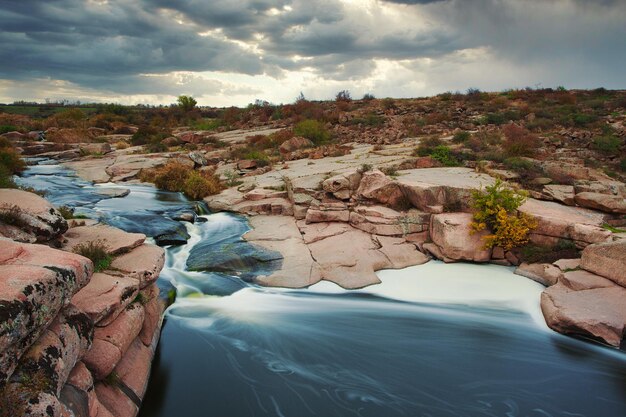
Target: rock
point(246, 164)
point(143, 263)
point(598, 313)
point(583, 280)
point(198, 159)
point(324, 216)
point(541, 181)
point(295, 143)
point(435, 190)
point(607, 260)
point(377, 186)
point(125, 167)
point(115, 240)
point(115, 401)
point(604, 186)
point(184, 161)
point(78, 394)
point(451, 233)
point(154, 308)
point(14, 136)
point(224, 200)
point(113, 192)
point(380, 220)
point(281, 234)
point(427, 162)
point(497, 253)
point(275, 206)
point(545, 274)
point(561, 193)
point(342, 186)
point(32, 214)
point(237, 258)
point(567, 264)
point(95, 148)
point(262, 194)
point(105, 297)
point(37, 282)
point(314, 232)
point(92, 169)
point(111, 342)
point(50, 360)
point(563, 222)
point(602, 202)
point(134, 368)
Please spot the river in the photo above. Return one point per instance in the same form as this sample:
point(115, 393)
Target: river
point(432, 340)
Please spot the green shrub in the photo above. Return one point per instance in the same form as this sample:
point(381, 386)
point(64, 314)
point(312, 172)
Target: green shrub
point(582, 119)
point(461, 137)
point(6, 178)
point(97, 252)
point(622, 165)
point(313, 130)
point(427, 146)
point(607, 144)
point(208, 124)
point(564, 249)
point(518, 164)
point(442, 154)
point(7, 128)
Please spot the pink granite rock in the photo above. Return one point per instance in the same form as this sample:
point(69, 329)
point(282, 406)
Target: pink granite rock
point(106, 296)
point(451, 232)
point(607, 260)
point(143, 263)
point(117, 241)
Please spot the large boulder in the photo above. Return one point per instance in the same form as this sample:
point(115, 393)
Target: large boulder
point(343, 185)
point(295, 143)
point(452, 234)
point(435, 190)
point(31, 213)
point(602, 202)
point(377, 186)
point(607, 260)
point(599, 313)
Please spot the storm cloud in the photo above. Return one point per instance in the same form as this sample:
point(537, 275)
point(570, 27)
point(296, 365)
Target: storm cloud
point(233, 51)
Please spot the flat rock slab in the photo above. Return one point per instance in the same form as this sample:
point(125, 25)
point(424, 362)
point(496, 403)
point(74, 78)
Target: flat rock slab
point(599, 313)
point(115, 240)
point(607, 260)
point(451, 233)
point(92, 169)
point(281, 234)
point(143, 263)
point(106, 296)
point(584, 280)
point(566, 222)
point(430, 188)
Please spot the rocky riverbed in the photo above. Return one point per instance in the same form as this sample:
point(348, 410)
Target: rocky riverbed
point(310, 223)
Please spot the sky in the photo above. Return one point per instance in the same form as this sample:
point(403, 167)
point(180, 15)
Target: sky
point(233, 52)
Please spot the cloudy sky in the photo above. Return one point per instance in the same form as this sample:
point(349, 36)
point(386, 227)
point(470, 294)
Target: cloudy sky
point(231, 52)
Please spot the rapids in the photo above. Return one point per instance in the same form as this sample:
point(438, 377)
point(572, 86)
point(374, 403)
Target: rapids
point(431, 340)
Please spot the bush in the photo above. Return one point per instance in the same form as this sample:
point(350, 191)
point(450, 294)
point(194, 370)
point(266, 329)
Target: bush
point(607, 144)
point(97, 252)
point(180, 178)
point(427, 146)
point(495, 209)
point(198, 186)
point(313, 130)
point(442, 154)
point(343, 95)
point(519, 141)
point(6, 178)
point(11, 161)
point(564, 249)
point(7, 128)
point(622, 165)
point(461, 137)
point(368, 97)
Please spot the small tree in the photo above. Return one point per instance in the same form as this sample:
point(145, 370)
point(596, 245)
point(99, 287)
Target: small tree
point(187, 103)
point(343, 95)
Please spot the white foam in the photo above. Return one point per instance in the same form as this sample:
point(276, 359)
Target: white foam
point(467, 284)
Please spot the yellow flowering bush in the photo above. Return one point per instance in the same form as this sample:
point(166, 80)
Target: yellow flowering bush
point(495, 209)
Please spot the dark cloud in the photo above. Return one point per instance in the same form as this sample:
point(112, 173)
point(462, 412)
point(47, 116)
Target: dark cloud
point(108, 45)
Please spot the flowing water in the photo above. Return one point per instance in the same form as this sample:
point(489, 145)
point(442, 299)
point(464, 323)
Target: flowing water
point(432, 340)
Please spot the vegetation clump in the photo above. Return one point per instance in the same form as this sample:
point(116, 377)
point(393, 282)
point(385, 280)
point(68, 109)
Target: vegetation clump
point(313, 130)
point(180, 178)
point(495, 209)
point(97, 252)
